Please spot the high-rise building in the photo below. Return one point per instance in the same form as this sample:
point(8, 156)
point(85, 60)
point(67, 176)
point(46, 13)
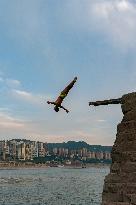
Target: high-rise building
point(66, 152)
point(41, 149)
point(2, 144)
point(107, 155)
point(99, 155)
point(84, 152)
point(61, 151)
point(55, 151)
point(21, 150)
point(12, 149)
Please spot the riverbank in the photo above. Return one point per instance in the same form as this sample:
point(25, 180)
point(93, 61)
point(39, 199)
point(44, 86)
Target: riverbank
point(14, 165)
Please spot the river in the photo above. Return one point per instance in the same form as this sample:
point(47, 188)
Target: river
point(52, 186)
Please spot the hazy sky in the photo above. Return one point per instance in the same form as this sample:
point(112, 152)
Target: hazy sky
point(44, 44)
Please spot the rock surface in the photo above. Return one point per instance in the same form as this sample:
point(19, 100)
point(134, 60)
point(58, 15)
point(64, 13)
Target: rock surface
point(120, 185)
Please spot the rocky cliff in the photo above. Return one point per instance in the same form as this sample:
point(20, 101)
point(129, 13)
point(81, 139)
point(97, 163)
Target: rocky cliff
point(120, 184)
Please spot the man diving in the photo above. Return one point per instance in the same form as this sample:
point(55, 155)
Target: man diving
point(61, 97)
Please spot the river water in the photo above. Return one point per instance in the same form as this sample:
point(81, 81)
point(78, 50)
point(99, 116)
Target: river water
point(52, 186)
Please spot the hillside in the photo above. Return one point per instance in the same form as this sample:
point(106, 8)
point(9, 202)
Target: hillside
point(72, 145)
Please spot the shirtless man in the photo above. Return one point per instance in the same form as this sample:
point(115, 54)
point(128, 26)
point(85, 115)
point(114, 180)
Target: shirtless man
point(106, 102)
point(61, 97)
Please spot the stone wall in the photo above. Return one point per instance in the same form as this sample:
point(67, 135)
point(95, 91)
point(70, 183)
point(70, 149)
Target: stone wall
point(120, 185)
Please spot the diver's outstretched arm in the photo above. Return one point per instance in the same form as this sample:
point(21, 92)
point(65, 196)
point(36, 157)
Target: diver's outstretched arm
point(64, 108)
point(53, 103)
point(106, 102)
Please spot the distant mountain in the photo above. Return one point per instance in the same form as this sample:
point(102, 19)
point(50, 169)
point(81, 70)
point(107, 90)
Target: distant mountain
point(72, 145)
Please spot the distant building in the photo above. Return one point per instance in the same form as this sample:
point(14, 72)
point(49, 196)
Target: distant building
point(92, 155)
point(61, 151)
point(84, 152)
point(2, 145)
point(99, 155)
point(66, 152)
point(41, 149)
point(55, 151)
point(34, 149)
point(107, 155)
point(21, 150)
point(12, 149)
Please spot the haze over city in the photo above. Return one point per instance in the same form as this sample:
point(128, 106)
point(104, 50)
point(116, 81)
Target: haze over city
point(44, 45)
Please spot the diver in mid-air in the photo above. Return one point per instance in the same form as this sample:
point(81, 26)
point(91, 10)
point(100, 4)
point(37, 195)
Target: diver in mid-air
point(61, 97)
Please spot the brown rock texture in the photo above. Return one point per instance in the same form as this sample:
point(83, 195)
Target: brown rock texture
point(120, 184)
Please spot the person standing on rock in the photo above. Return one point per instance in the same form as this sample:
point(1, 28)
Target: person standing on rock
point(61, 97)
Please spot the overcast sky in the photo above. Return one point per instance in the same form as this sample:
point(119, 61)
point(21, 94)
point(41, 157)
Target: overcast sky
point(44, 44)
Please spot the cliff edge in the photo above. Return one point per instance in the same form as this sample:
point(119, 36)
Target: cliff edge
point(120, 184)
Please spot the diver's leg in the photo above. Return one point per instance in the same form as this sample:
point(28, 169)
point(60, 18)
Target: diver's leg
point(66, 90)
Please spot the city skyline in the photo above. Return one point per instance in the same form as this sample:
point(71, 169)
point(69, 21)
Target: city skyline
point(23, 149)
point(44, 45)
point(31, 140)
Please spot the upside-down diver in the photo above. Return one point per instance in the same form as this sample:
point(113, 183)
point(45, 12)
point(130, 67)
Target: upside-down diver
point(61, 97)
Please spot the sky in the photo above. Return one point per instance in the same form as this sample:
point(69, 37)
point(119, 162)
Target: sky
point(44, 44)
